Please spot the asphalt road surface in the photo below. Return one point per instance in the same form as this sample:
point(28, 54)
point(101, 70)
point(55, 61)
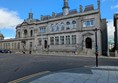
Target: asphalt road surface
point(14, 66)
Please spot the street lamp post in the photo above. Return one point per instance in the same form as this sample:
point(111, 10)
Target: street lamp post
point(96, 46)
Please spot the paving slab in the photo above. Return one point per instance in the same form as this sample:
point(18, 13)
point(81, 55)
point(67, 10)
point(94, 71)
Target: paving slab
point(91, 75)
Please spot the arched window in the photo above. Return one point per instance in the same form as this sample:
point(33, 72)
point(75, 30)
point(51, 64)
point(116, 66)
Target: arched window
point(68, 25)
point(62, 26)
point(57, 27)
point(31, 33)
point(74, 24)
point(25, 32)
point(52, 28)
point(18, 34)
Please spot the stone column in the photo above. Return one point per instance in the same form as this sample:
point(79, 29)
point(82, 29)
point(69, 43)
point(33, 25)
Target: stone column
point(116, 53)
point(35, 40)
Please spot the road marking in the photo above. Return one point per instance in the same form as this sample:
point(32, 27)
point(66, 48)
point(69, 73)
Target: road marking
point(28, 77)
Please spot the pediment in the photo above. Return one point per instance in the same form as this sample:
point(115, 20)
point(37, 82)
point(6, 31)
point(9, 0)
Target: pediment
point(88, 33)
point(24, 23)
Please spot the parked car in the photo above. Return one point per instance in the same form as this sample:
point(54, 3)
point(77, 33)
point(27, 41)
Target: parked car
point(5, 51)
point(1, 51)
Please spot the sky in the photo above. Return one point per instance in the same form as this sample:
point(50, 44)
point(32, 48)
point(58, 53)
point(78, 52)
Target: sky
point(13, 12)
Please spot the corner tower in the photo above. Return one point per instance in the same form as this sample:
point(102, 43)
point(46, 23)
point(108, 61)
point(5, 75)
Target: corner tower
point(30, 15)
point(1, 36)
point(65, 8)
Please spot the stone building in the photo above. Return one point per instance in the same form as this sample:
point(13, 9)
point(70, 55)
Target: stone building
point(116, 34)
point(70, 31)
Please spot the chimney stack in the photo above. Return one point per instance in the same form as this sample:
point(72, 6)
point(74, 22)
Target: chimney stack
point(81, 8)
point(53, 14)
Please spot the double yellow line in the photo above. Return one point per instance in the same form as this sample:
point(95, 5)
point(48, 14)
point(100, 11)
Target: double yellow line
point(29, 76)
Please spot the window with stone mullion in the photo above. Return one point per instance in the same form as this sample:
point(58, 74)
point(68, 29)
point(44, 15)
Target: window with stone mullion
point(68, 40)
point(56, 40)
point(73, 39)
point(51, 40)
point(62, 40)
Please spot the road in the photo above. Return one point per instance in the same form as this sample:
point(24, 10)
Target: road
point(14, 66)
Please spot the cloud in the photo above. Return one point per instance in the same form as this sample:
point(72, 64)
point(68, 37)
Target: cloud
point(9, 19)
point(114, 7)
point(111, 30)
point(9, 38)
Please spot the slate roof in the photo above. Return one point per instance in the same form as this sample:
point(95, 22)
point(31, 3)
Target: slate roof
point(74, 11)
point(59, 14)
point(88, 8)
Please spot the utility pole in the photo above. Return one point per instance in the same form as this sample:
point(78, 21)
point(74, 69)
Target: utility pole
point(96, 46)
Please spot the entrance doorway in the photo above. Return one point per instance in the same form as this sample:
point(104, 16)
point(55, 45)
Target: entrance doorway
point(89, 43)
point(45, 44)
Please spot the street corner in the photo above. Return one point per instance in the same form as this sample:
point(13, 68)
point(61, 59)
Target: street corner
point(30, 77)
point(100, 74)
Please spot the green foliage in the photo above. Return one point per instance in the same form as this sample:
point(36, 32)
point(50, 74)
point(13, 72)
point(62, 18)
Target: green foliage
point(112, 49)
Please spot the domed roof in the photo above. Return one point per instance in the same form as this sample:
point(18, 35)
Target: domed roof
point(1, 35)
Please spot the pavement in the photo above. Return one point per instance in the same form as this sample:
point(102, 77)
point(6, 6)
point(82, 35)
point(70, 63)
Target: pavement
point(100, 74)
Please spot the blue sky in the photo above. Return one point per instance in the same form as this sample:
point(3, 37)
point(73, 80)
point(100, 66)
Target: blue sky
point(13, 12)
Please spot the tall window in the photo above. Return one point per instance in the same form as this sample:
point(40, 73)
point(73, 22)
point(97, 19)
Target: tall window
point(25, 33)
point(73, 39)
point(74, 24)
point(57, 27)
point(31, 33)
point(52, 28)
point(14, 45)
point(88, 23)
point(40, 42)
point(67, 25)
point(18, 45)
point(30, 45)
point(61, 40)
point(51, 40)
point(62, 26)
point(56, 40)
point(42, 29)
point(67, 39)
